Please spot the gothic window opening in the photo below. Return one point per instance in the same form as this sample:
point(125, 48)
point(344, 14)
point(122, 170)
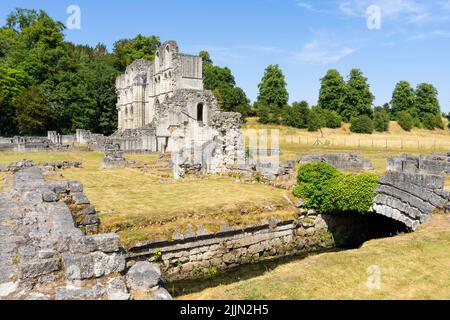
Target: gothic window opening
point(200, 114)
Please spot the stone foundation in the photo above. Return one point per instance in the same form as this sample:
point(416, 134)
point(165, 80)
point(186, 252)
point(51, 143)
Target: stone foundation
point(45, 254)
point(197, 253)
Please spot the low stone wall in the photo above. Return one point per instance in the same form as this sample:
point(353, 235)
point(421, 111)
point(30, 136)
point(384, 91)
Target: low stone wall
point(409, 192)
point(197, 254)
point(342, 161)
point(44, 255)
point(25, 144)
point(434, 164)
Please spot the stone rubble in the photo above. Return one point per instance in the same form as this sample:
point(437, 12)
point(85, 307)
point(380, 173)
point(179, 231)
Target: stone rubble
point(47, 250)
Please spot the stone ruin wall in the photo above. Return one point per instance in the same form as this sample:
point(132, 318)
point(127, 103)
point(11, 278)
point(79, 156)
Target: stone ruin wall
point(197, 253)
point(413, 188)
point(50, 248)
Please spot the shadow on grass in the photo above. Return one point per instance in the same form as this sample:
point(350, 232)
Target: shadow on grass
point(233, 275)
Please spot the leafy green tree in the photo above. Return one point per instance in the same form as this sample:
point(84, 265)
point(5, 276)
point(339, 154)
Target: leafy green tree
point(273, 94)
point(381, 119)
point(21, 18)
point(215, 76)
point(448, 118)
point(140, 47)
point(12, 82)
point(33, 113)
point(332, 91)
point(358, 98)
point(361, 124)
point(230, 98)
point(316, 120)
point(403, 98)
point(432, 121)
point(296, 115)
point(405, 120)
point(427, 100)
point(206, 58)
point(332, 119)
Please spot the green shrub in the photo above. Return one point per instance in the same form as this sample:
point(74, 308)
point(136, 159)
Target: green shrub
point(328, 190)
point(332, 119)
point(381, 120)
point(405, 120)
point(361, 124)
point(350, 193)
point(312, 179)
point(315, 121)
point(417, 123)
point(432, 121)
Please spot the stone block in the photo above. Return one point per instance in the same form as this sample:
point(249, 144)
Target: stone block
point(38, 268)
point(79, 198)
point(143, 276)
point(116, 289)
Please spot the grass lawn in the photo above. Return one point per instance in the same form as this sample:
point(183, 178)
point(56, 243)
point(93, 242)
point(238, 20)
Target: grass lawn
point(412, 266)
point(140, 207)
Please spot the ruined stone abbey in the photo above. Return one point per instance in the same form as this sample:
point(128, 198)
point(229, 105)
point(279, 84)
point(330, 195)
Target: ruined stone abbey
point(163, 107)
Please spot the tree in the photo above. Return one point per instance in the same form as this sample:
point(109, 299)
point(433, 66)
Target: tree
point(33, 113)
point(206, 58)
point(381, 119)
point(21, 18)
point(358, 98)
point(405, 120)
point(315, 121)
point(232, 99)
point(12, 82)
point(403, 98)
point(273, 94)
point(332, 91)
point(221, 81)
point(296, 115)
point(140, 47)
point(361, 124)
point(432, 121)
point(426, 100)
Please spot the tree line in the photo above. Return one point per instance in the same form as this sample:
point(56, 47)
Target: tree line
point(348, 101)
point(47, 83)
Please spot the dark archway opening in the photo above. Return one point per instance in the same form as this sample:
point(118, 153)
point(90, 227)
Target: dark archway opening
point(352, 230)
point(200, 114)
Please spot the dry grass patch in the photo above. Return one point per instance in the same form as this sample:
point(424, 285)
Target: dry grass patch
point(413, 266)
point(140, 207)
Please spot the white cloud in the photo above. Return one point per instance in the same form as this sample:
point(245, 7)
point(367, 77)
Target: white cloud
point(309, 7)
point(445, 5)
point(409, 10)
point(431, 34)
point(323, 52)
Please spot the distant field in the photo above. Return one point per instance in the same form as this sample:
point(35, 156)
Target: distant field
point(295, 141)
point(140, 207)
point(411, 266)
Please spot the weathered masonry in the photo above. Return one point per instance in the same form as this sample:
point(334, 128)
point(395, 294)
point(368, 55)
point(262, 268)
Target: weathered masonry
point(163, 107)
point(50, 249)
point(412, 188)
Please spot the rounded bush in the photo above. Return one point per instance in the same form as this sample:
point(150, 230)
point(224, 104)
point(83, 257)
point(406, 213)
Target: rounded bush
point(328, 190)
point(361, 124)
point(405, 120)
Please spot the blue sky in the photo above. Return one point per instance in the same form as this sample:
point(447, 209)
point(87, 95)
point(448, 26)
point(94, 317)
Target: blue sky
point(305, 37)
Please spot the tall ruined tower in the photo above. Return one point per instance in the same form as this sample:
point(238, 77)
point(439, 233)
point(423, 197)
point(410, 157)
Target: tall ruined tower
point(147, 84)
